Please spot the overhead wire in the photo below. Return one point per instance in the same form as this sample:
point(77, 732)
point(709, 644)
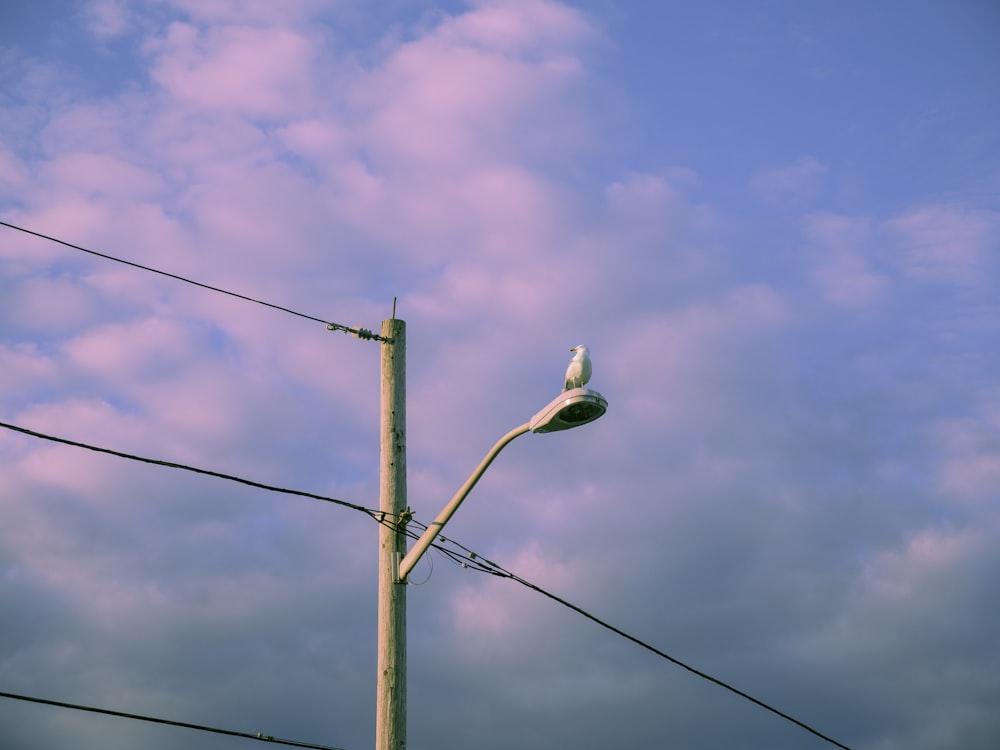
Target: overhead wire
point(184, 467)
point(382, 517)
point(259, 736)
point(361, 333)
point(465, 557)
point(475, 561)
point(503, 573)
point(467, 560)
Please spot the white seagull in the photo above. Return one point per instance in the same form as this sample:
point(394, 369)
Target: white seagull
point(578, 372)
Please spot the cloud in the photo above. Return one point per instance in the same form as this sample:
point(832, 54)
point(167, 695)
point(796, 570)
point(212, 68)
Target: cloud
point(688, 354)
point(455, 97)
point(100, 175)
point(859, 262)
point(968, 469)
point(106, 19)
point(793, 488)
point(945, 244)
point(248, 71)
point(260, 13)
point(844, 269)
point(913, 592)
point(794, 185)
point(13, 175)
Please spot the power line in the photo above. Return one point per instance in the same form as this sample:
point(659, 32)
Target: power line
point(184, 467)
point(186, 725)
point(361, 333)
point(470, 559)
point(381, 517)
point(466, 558)
point(486, 566)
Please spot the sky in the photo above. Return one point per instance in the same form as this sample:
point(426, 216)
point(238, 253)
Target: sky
point(777, 227)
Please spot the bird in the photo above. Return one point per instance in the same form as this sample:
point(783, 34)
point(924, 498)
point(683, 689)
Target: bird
point(578, 372)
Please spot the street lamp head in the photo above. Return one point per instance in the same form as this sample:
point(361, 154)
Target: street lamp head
point(569, 409)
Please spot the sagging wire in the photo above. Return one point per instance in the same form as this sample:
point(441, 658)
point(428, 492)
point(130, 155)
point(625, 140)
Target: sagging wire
point(473, 561)
point(362, 333)
point(259, 736)
point(184, 467)
point(466, 559)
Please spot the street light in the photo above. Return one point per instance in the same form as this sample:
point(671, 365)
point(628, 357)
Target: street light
point(572, 408)
point(569, 409)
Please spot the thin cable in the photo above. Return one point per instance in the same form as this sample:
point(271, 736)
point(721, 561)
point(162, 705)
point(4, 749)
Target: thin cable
point(361, 333)
point(382, 517)
point(171, 465)
point(469, 560)
point(477, 562)
point(465, 559)
point(259, 736)
point(501, 572)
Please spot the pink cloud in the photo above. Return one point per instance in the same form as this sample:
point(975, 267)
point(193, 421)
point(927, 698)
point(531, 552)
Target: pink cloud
point(106, 19)
point(248, 12)
point(693, 351)
point(318, 138)
point(492, 83)
point(967, 466)
point(847, 281)
point(101, 175)
point(257, 72)
point(74, 216)
point(23, 365)
point(45, 306)
point(842, 268)
point(946, 244)
point(482, 613)
point(792, 184)
point(127, 351)
point(13, 172)
point(522, 26)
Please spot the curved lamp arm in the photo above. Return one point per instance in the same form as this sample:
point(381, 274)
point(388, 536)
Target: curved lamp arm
point(432, 531)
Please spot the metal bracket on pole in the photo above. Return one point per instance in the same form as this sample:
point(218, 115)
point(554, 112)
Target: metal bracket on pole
point(398, 558)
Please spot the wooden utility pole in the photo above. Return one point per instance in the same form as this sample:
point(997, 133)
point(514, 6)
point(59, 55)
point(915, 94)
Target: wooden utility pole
point(390, 711)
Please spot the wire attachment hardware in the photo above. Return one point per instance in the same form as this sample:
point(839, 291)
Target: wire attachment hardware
point(404, 518)
point(362, 333)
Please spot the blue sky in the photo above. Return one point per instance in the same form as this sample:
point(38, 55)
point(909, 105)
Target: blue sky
point(776, 225)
